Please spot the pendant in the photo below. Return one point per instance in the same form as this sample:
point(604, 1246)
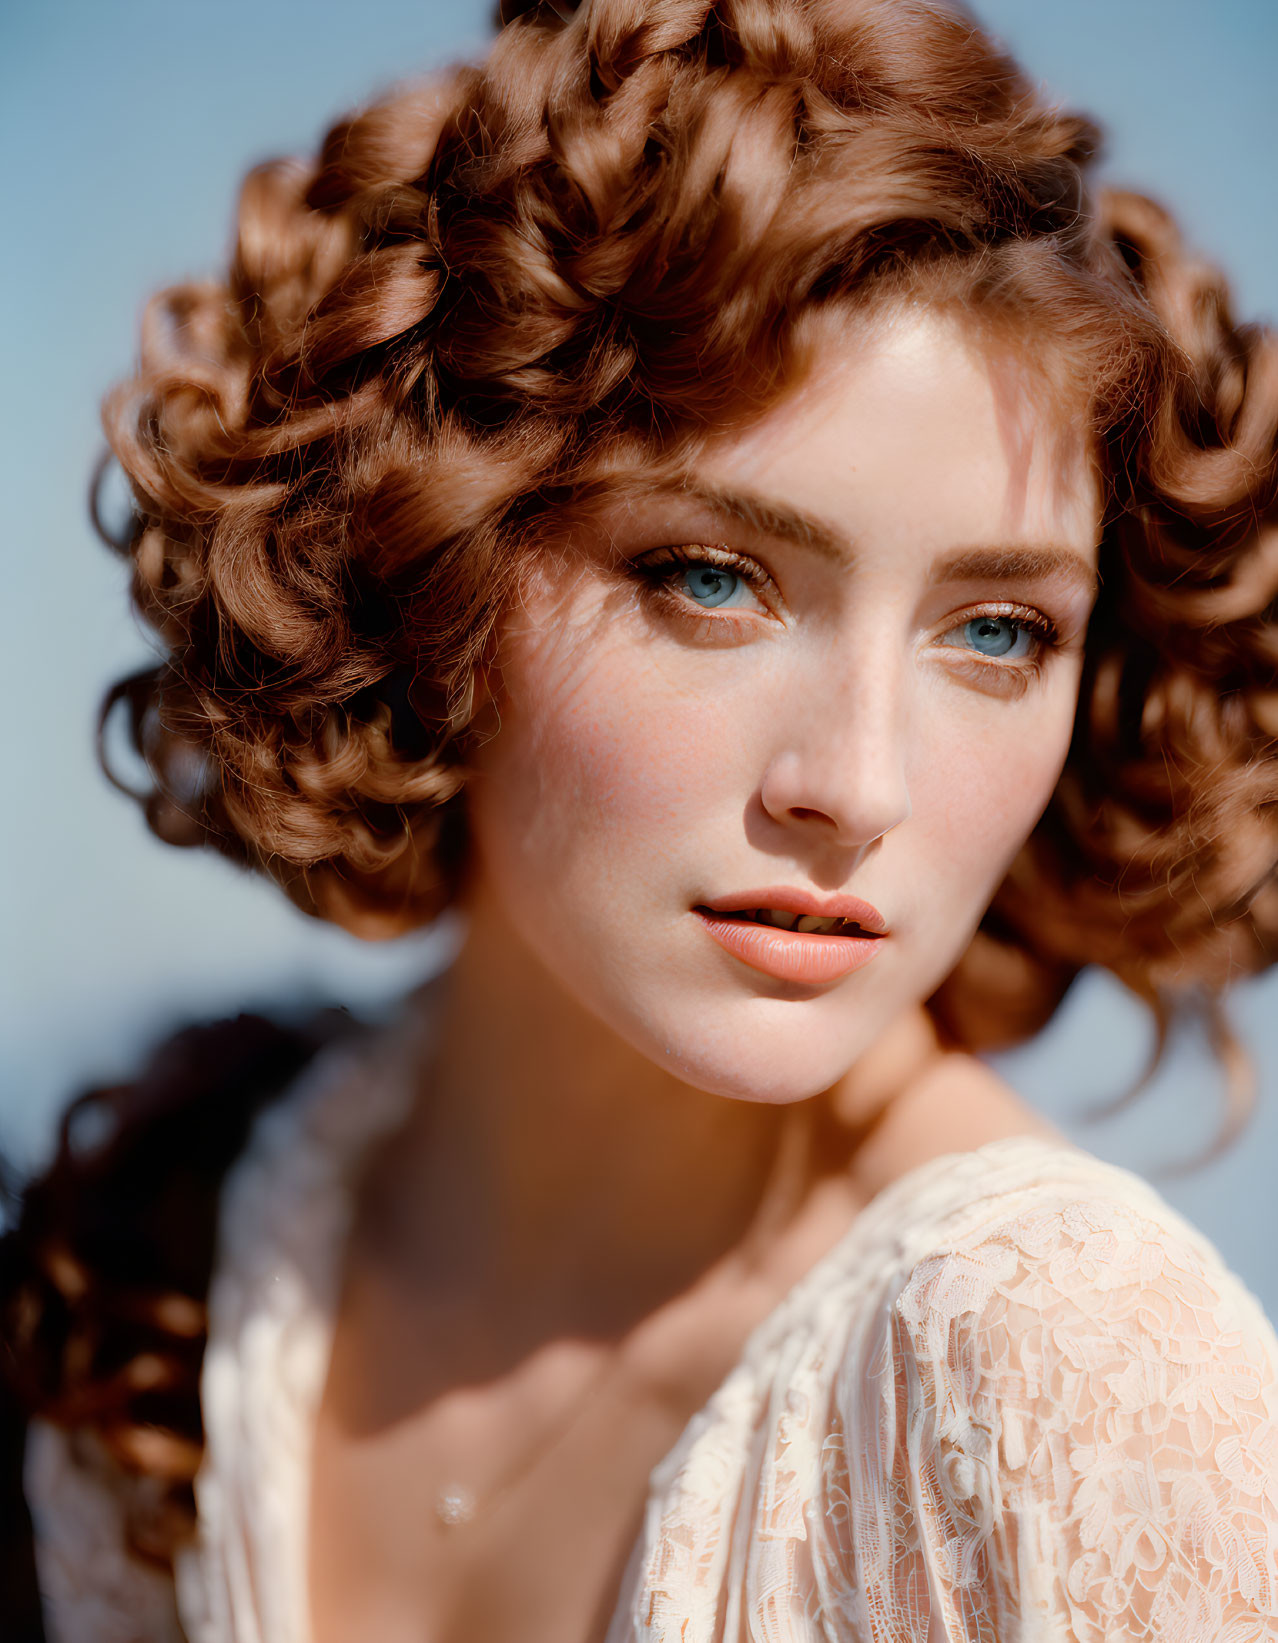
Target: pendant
point(454, 1505)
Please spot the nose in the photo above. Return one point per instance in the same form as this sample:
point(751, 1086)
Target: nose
point(839, 773)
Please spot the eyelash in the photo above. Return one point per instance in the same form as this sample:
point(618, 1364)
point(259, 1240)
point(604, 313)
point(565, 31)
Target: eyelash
point(658, 570)
point(1043, 631)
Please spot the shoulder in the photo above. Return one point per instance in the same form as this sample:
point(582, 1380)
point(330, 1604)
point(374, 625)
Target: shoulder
point(1053, 1236)
point(285, 1217)
point(108, 1452)
point(1056, 1288)
point(1064, 1362)
point(93, 1588)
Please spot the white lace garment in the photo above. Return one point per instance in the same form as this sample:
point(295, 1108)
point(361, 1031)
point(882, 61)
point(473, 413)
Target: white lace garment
point(1020, 1401)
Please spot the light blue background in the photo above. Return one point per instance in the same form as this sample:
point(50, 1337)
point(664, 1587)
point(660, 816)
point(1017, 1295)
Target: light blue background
point(124, 130)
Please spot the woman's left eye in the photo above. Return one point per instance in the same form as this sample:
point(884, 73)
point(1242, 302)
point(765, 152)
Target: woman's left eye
point(1003, 638)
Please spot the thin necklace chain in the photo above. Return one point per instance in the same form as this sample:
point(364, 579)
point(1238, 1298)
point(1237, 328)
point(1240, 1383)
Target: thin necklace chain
point(457, 1504)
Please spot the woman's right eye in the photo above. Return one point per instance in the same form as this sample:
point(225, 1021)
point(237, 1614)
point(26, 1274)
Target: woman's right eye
point(711, 585)
point(703, 579)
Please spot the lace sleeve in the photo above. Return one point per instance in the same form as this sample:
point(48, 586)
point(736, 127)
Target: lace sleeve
point(91, 1589)
point(1079, 1439)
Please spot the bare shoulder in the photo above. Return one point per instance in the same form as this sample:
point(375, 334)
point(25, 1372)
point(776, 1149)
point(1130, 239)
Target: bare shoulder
point(955, 1104)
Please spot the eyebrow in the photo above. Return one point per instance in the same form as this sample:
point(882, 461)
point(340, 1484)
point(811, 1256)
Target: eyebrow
point(1011, 563)
point(1016, 564)
point(775, 519)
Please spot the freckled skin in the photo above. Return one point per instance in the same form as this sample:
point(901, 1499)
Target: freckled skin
point(838, 745)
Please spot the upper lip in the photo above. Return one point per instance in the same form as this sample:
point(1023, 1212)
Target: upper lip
point(801, 902)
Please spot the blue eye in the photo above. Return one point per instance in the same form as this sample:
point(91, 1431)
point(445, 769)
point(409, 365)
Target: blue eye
point(995, 635)
point(695, 577)
point(710, 585)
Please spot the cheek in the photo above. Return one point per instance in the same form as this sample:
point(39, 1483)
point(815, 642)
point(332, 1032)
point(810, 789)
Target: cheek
point(602, 762)
point(988, 781)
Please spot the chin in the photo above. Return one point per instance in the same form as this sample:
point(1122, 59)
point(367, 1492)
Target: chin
point(773, 1051)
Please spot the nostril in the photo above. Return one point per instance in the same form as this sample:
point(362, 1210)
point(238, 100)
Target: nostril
point(851, 803)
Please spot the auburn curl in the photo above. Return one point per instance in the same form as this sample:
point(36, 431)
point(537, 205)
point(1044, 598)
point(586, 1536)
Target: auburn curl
point(490, 290)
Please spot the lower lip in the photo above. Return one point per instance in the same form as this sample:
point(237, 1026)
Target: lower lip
point(791, 955)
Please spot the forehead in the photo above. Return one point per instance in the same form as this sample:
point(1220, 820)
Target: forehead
point(913, 433)
point(919, 418)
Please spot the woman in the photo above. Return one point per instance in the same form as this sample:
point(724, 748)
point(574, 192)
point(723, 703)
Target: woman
point(710, 493)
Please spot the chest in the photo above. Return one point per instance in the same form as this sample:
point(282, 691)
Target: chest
point(540, 1557)
point(549, 1446)
point(549, 1425)
point(328, 1444)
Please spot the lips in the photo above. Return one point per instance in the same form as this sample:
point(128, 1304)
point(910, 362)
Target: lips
point(805, 923)
point(802, 903)
point(751, 927)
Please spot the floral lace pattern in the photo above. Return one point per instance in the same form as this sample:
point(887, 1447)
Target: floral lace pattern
point(1021, 1401)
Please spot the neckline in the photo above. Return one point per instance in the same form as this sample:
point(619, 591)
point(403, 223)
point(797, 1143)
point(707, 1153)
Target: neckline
point(288, 1208)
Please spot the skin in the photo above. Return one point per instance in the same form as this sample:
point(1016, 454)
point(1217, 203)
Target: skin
point(629, 1145)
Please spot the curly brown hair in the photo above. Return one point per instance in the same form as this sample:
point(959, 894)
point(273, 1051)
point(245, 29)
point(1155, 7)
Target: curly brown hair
point(492, 291)
point(600, 241)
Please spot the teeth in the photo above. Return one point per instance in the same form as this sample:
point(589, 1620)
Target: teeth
point(806, 923)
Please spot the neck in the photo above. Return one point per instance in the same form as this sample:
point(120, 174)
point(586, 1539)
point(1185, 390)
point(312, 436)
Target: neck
point(546, 1154)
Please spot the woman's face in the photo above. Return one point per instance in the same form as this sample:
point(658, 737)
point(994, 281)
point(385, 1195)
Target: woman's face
point(839, 659)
